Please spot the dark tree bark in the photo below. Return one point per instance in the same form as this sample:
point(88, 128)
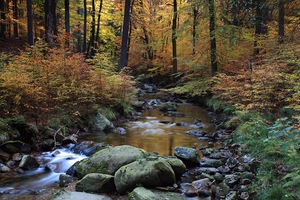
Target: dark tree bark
point(3, 18)
point(261, 19)
point(212, 34)
point(50, 21)
point(84, 25)
point(174, 38)
point(195, 23)
point(281, 21)
point(67, 16)
point(123, 60)
point(29, 22)
point(91, 50)
point(15, 13)
point(130, 31)
point(98, 24)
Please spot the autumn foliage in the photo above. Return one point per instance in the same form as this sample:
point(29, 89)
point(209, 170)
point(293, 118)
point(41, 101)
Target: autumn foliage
point(41, 83)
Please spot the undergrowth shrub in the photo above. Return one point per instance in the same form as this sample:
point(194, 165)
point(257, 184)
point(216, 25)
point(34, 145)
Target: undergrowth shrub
point(43, 83)
point(276, 145)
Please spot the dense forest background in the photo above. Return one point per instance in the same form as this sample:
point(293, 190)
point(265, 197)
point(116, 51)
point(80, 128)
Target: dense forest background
point(63, 60)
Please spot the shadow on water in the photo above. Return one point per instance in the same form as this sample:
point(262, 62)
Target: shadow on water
point(150, 134)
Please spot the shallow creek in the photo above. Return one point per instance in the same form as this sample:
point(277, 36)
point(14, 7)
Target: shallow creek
point(147, 132)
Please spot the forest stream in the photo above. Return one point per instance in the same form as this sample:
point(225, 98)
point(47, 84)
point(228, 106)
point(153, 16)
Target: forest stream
point(152, 131)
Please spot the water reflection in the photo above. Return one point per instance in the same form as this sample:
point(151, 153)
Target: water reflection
point(152, 135)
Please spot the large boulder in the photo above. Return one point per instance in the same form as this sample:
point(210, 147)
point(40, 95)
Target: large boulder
point(110, 159)
point(101, 123)
point(187, 155)
point(145, 172)
point(141, 193)
point(96, 183)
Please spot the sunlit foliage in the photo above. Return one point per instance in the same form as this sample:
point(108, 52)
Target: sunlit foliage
point(43, 82)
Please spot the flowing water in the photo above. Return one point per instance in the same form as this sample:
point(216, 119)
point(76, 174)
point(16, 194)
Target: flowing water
point(148, 132)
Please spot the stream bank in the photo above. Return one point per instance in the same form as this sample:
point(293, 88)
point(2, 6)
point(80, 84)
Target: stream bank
point(222, 170)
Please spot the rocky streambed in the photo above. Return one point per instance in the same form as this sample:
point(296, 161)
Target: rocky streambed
point(205, 167)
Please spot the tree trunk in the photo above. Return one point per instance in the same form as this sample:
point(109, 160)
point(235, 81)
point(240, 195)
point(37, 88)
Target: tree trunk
point(212, 34)
point(98, 24)
point(123, 60)
point(50, 21)
point(30, 22)
point(84, 25)
point(281, 21)
point(91, 46)
point(261, 19)
point(15, 13)
point(67, 16)
point(3, 18)
point(174, 38)
point(195, 23)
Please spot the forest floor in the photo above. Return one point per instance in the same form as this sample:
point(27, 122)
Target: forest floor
point(12, 46)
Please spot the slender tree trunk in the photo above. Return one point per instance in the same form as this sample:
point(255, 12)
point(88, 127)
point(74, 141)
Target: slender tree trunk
point(8, 19)
point(281, 21)
point(126, 21)
point(30, 22)
point(98, 24)
point(174, 38)
point(261, 18)
point(84, 25)
point(212, 34)
point(67, 16)
point(149, 48)
point(91, 50)
point(15, 13)
point(3, 18)
point(195, 14)
point(50, 21)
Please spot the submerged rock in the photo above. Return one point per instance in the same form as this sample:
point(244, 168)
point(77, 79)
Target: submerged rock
point(119, 131)
point(196, 133)
point(166, 107)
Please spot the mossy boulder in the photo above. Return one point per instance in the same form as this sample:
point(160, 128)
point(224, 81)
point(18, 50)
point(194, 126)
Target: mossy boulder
point(177, 165)
point(96, 183)
point(141, 193)
point(146, 172)
point(187, 155)
point(101, 123)
point(110, 159)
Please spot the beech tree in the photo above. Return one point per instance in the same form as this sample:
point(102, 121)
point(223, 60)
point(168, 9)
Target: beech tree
point(15, 14)
point(30, 22)
point(84, 25)
point(50, 21)
point(3, 19)
point(67, 16)
point(126, 20)
point(212, 36)
point(174, 38)
point(281, 21)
